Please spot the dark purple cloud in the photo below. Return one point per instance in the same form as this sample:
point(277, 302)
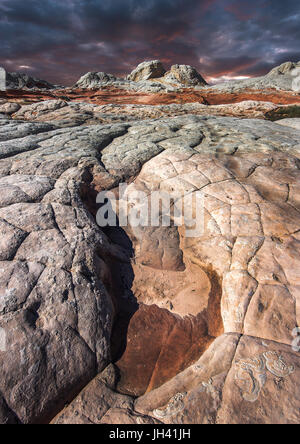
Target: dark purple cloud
point(61, 40)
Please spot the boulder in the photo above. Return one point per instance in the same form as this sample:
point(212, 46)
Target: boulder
point(184, 75)
point(94, 80)
point(9, 108)
point(147, 70)
point(16, 80)
point(36, 110)
point(285, 68)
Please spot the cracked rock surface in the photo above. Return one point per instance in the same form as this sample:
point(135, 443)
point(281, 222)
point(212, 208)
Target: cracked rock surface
point(73, 113)
point(235, 288)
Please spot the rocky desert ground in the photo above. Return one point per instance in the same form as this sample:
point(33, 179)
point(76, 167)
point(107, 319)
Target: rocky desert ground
point(145, 325)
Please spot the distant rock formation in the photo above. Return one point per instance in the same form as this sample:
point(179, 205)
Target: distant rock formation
point(281, 78)
point(94, 79)
point(179, 75)
point(151, 77)
point(184, 75)
point(285, 68)
point(147, 70)
point(16, 80)
point(148, 76)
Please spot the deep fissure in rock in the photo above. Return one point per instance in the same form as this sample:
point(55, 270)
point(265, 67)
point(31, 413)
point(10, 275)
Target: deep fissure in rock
point(165, 317)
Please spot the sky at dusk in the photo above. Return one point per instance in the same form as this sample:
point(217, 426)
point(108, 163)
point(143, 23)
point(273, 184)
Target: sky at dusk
point(61, 40)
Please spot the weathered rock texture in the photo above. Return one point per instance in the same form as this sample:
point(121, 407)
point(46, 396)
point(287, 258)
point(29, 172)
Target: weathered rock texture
point(71, 113)
point(249, 103)
point(293, 123)
point(94, 80)
point(184, 75)
point(224, 353)
point(54, 306)
point(99, 403)
point(2, 79)
point(151, 77)
point(281, 78)
point(173, 343)
point(147, 70)
point(179, 75)
point(23, 81)
point(285, 68)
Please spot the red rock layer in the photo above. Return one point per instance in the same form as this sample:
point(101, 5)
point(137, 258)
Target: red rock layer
point(273, 96)
point(110, 95)
point(159, 346)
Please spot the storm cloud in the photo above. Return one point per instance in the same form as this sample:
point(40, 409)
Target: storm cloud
point(61, 40)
